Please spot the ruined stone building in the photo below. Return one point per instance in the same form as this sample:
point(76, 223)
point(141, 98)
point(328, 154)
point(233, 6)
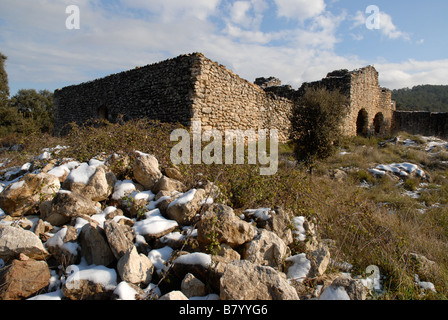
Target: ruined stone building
point(193, 88)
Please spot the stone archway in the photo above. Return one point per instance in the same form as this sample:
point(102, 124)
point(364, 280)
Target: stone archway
point(378, 123)
point(362, 123)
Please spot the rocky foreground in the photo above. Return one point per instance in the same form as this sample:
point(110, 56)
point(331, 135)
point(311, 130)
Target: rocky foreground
point(71, 230)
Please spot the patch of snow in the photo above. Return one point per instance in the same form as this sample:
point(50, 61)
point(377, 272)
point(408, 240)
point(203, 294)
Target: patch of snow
point(331, 293)
point(424, 285)
point(172, 236)
point(81, 174)
point(153, 204)
point(159, 257)
point(106, 277)
point(17, 185)
point(55, 295)
point(143, 195)
point(260, 213)
point(59, 171)
point(402, 169)
point(184, 198)
point(377, 172)
point(191, 232)
point(299, 232)
point(154, 224)
point(44, 156)
point(125, 292)
point(300, 268)
point(100, 217)
point(26, 167)
point(123, 188)
point(410, 143)
point(196, 258)
point(95, 163)
point(57, 240)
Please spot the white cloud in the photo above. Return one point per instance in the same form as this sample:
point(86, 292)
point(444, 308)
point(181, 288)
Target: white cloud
point(116, 39)
point(172, 10)
point(413, 72)
point(239, 12)
point(300, 10)
point(386, 25)
point(388, 28)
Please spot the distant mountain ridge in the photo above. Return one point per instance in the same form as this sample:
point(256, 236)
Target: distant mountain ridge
point(432, 98)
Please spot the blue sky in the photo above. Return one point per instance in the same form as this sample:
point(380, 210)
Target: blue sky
point(294, 40)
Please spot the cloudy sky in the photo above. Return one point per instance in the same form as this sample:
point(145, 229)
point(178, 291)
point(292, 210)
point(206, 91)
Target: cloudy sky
point(294, 40)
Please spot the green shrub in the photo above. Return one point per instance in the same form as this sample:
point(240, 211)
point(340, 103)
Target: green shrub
point(316, 123)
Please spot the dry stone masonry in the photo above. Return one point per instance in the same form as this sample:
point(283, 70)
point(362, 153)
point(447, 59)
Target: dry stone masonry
point(193, 88)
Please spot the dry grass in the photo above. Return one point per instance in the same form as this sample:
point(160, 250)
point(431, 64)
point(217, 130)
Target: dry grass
point(375, 226)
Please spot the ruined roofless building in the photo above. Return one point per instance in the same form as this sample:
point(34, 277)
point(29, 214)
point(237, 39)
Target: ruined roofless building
point(193, 88)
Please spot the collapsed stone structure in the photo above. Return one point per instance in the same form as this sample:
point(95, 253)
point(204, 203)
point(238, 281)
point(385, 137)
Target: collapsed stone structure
point(184, 89)
point(193, 88)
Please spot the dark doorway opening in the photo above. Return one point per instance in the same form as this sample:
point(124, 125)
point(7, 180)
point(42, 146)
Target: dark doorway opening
point(362, 123)
point(378, 123)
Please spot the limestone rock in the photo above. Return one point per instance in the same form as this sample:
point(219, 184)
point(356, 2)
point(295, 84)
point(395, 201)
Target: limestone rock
point(422, 265)
point(196, 263)
point(279, 223)
point(265, 249)
point(94, 246)
point(119, 163)
point(98, 187)
point(92, 283)
point(173, 173)
point(23, 278)
point(184, 208)
point(135, 268)
point(174, 295)
point(354, 288)
point(67, 205)
point(118, 241)
point(21, 197)
point(15, 240)
point(242, 280)
point(320, 259)
point(168, 184)
point(220, 222)
point(63, 246)
point(146, 170)
point(192, 286)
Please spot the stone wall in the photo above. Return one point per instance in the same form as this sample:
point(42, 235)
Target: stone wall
point(421, 122)
point(224, 101)
point(184, 89)
point(369, 103)
point(371, 107)
point(161, 91)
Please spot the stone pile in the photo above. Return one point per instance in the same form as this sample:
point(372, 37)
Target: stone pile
point(71, 230)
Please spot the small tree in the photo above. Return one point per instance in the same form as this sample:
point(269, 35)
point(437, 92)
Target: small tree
point(36, 109)
point(4, 87)
point(316, 123)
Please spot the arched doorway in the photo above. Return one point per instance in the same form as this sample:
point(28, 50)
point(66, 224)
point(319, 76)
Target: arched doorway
point(362, 123)
point(103, 113)
point(378, 123)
